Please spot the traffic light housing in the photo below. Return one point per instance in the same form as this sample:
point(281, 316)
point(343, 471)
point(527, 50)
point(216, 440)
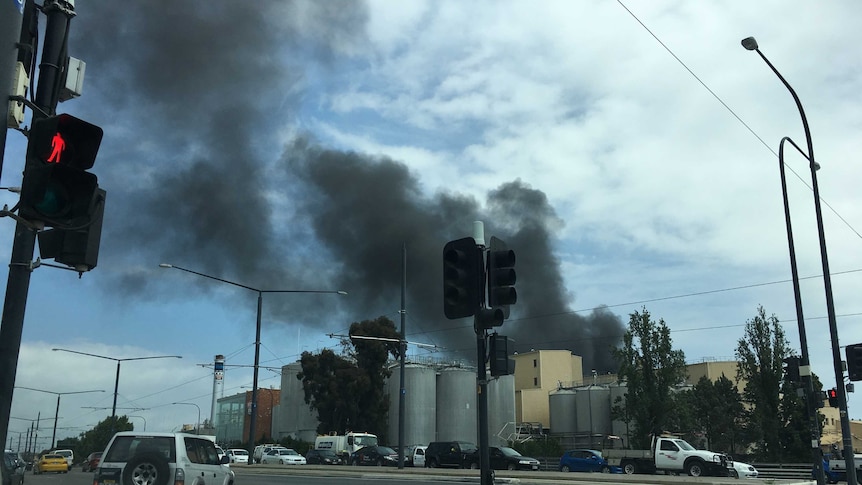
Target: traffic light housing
point(462, 278)
point(854, 361)
point(820, 398)
point(501, 276)
point(832, 396)
point(499, 362)
point(791, 369)
point(77, 248)
point(57, 189)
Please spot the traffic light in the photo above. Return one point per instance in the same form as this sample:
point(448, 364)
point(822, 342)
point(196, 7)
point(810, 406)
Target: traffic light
point(791, 369)
point(79, 247)
point(498, 356)
point(854, 361)
point(57, 189)
point(501, 276)
point(832, 396)
point(819, 399)
point(488, 318)
point(462, 278)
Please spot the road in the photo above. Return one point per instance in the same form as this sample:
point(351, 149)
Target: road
point(338, 475)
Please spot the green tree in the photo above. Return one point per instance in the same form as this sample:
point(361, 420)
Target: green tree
point(719, 411)
point(97, 438)
point(760, 354)
point(651, 369)
point(347, 391)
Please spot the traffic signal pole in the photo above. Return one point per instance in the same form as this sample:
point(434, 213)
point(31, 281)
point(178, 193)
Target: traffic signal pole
point(24, 243)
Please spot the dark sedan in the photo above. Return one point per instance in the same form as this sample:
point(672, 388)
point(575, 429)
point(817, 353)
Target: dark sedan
point(322, 457)
point(374, 455)
point(505, 458)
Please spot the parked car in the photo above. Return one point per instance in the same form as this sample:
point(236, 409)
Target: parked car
point(237, 455)
point(261, 450)
point(449, 454)
point(51, 462)
point(161, 458)
point(374, 455)
point(744, 470)
point(505, 458)
point(12, 469)
point(586, 461)
point(322, 457)
point(92, 462)
point(282, 456)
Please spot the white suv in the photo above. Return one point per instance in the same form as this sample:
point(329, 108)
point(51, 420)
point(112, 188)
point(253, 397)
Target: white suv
point(133, 458)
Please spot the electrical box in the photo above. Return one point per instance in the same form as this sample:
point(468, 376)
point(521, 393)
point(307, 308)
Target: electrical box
point(74, 79)
point(19, 88)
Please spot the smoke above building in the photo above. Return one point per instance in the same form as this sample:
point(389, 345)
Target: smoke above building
point(195, 100)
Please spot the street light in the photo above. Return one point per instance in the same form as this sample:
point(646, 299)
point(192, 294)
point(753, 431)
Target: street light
point(751, 44)
point(141, 417)
point(57, 412)
point(198, 425)
point(117, 380)
point(253, 423)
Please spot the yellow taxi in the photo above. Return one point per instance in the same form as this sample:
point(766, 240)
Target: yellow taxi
point(51, 463)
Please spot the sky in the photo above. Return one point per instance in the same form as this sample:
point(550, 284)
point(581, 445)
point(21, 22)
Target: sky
point(626, 151)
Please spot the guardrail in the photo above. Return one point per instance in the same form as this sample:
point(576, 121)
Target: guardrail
point(783, 470)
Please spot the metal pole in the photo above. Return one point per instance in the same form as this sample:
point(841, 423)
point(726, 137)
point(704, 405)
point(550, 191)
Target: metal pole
point(24, 242)
point(486, 477)
point(807, 383)
point(402, 348)
point(847, 438)
point(253, 422)
point(56, 417)
point(114, 407)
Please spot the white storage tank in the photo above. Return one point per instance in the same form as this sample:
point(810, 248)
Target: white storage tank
point(420, 403)
point(593, 410)
point(501, 408)
point(295, 418)
point(456, 405)
point(563, 411)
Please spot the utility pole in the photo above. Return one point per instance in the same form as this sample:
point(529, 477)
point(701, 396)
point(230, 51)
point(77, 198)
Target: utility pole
point(11, 17)
point(59, 15)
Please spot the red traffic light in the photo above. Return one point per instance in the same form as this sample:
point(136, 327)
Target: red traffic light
point(66, 140)
point(832, 393)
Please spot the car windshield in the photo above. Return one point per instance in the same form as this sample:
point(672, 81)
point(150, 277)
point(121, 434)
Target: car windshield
point(365, 440)
point(287, 452)
point(52, 457)
point(509, 452)
point(326, 453)
point(124, 447)
point(385, 450)
point(63, 453)
point(239, 452)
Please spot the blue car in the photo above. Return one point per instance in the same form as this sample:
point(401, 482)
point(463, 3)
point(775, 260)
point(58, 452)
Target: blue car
point(586, 461)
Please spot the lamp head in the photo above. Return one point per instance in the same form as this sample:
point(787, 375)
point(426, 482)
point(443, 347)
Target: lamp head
point(749, 43)
point(165, 265)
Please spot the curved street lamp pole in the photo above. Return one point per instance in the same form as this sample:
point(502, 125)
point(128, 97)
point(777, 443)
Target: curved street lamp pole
point(141, 417)
point(117, 379)
point(57, 412)
point(198, 424)
point(253, 421)
point(750, 44)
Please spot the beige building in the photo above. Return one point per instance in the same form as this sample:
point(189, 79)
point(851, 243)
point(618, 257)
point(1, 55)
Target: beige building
point(537, 373)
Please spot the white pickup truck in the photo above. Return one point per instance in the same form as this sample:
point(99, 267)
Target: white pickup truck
point(670, 455)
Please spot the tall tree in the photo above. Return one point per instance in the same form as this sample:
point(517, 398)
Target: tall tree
point(760, 354)
point(719, 412)
point(650, 369)
point(97, 438)
point(347, 391)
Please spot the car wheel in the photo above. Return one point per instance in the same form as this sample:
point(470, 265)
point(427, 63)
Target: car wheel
point(281, 462)
point(565, 468)
point(146, 469)
point(694, 468)
point(629, 468)
point(606, 469)
point(380, 463)
point(510, 466)
point(473, 466)
point(432, 464)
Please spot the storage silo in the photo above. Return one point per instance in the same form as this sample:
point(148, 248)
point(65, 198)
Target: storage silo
point(593, 410)
point(618, 426)
point(563, 411)
point(420, 403)
point(295, 418)
point(501, 408)
point(456, 405)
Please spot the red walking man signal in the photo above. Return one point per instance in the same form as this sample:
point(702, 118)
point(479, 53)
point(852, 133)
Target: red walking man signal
point(58, 144)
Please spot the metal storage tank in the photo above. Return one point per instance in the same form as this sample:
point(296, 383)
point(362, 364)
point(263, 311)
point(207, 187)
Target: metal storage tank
point(456, 405)
point(563, 411)
point(593, 405)
point(420, 403)
point(501, 408)
point(295, 417)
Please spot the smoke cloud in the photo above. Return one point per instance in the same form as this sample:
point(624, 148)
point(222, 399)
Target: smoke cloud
point(191, 95)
